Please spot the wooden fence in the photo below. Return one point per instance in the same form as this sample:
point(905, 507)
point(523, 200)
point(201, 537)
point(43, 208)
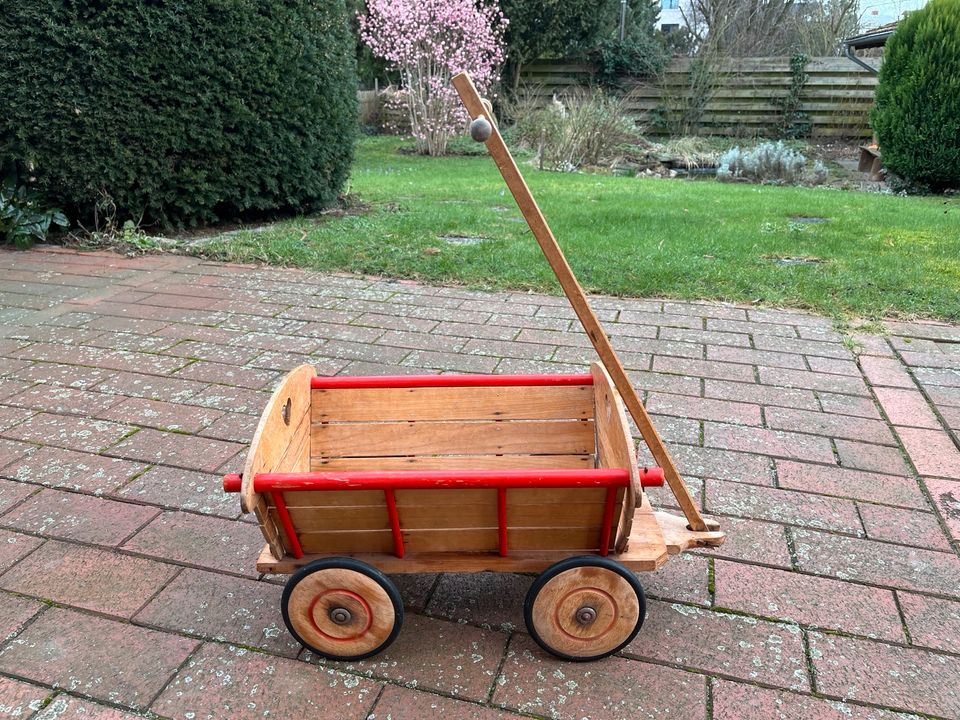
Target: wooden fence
point(739, 94)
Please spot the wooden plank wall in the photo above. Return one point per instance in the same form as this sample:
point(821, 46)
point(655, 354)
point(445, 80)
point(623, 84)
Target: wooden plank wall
point(837, 96)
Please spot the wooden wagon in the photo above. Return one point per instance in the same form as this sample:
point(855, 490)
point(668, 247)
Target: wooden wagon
point(352, 478)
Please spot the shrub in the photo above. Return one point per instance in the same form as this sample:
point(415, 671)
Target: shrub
point(24, 217)
point(767, 163)
point(181, 112)
point(917, 115)
point(428, 42)
point(583, 127)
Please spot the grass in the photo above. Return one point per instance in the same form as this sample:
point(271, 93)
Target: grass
point(879, 255)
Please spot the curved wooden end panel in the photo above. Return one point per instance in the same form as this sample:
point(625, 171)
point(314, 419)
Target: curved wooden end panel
point(615, 446)
point(282, 440)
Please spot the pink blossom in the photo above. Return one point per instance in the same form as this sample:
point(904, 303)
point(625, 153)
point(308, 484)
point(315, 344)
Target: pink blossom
point(428, 42)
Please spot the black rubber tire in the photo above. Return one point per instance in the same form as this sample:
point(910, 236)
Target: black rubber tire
point(569, 564)
point(348, 564)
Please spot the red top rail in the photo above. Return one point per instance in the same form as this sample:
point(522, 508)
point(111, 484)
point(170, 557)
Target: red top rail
point(424, 381)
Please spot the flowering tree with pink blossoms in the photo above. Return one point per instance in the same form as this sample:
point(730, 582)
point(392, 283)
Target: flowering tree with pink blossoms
point(428, 42)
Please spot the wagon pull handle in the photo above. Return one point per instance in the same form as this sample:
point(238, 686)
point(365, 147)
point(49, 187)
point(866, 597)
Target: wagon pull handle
point(571, 288)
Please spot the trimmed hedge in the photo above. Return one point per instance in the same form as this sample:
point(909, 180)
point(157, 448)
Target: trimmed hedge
point(183, 111)
point(917, 116)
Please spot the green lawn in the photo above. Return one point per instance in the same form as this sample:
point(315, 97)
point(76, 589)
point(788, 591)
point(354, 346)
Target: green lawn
point(881, 255)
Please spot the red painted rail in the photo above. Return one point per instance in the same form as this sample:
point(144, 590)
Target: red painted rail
point(360, 382)
point(391, 480)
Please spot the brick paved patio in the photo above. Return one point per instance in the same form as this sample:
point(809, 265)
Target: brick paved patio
point(127, 579)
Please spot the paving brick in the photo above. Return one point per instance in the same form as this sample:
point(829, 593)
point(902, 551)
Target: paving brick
point(106, 660)
point(932, 622)
point(11, 386)
point(734, 701)
point(907, 527)
point(234, 427)
point(19, 699)
point(833, 365)
point(212, 352)
point(71, 470)
point(544, 323)
point(12, 493)
point(160, 414)
point(73, 433)
point(102, 358)
point(714, 642)
point(849, 405)
point(761, 394)
point(535, 683)
point(659, 319)
point(753, 541)
point(837, 426)
point(752, 327)
point(946, 499)
point(704, 368)
point(785, 506)
point(676, 384)
point(131, 342)
point(947, 377)
point(755, 357)
point(176, 449)
point(424, 341)
point(72, 516)
point(804, 347)
point(708, 337)
point(201, 541)
point(233, 375)
point(15, 613)
point(943, 395)
point(813, 381)
point(877, 563)
point(929, 330)
point(932, 452)
point(428, 359)
point(63, 400)
point(230, 399)
point(179, 489)
point(684, 579)
point(885, 372)
point(14, 546)
point(10, 417)
point(491, 600)
point(459, 660)
point(62, 572)
point(703, 408)
point(706, 309)
point(501, 348)
point(896, 677)
point(61, 374)
point(224, 608)
point(866, 456)
point(65, 707)
point(936, 359)
point(855, 484)
point(409, 324)
point(906, 407)
point(396, 703)
point(154, 387)
point(722, 464)
point(777, 443)
point(813, 601)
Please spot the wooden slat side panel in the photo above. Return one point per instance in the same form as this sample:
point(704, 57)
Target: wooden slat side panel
point(454, 462)
point(281, 441)
point(562, 437)
point(615, 449)
point(458, 403)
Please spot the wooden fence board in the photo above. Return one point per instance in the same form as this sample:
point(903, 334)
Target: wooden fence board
point(837, 96)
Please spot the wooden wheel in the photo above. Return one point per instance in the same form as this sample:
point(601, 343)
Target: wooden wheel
point(584, 608)
point(342, 609)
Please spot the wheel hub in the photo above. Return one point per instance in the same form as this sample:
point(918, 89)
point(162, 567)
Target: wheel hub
point(340, 615)
point(586, 615)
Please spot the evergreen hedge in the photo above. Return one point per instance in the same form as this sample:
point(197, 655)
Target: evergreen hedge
point(917, 115)
point(182, 111)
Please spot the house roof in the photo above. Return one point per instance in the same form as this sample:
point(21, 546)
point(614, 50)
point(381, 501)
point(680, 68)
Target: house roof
point(875, 37)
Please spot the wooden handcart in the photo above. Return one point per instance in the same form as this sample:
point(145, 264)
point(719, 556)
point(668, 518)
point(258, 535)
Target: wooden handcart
point(352, 478)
